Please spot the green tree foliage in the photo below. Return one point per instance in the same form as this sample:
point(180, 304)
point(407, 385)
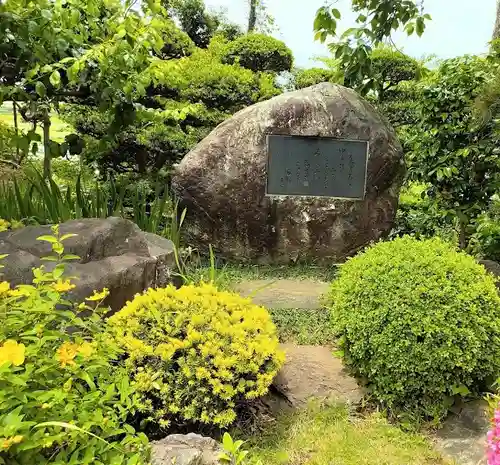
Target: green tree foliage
point(97, 51)
point(187, 98)
point(178, 44)
point(376, 21)
point(391, 67)
point(260, 52)
point(396, 92)
point(309, 77)
point(454, 150)
point(418, 322)
point(200, 24)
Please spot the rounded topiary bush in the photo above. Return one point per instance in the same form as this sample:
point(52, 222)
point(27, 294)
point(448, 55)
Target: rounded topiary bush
point(310, 77)
point(419, 322)
point(259, 52)
point(195, 353)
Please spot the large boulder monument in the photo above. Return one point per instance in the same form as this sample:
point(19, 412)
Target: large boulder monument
point(307, 175)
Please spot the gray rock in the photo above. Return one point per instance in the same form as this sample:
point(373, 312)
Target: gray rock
point(311, 372)
point(114, 253)
point(463, 435)
point(222, 182)
point(189, 449)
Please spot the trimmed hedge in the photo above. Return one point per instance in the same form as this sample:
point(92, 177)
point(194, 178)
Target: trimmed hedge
point(419, 322)
point(259, 52)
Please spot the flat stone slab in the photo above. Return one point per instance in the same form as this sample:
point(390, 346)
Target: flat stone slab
point(463, 435)
point(284, 293)
point(311, 372)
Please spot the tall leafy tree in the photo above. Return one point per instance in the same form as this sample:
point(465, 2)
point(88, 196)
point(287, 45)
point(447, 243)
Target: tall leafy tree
point(376, 21)
point(98, 51)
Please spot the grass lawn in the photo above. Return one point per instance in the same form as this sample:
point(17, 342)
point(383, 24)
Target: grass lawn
point(303, 326)
point(236, 272)
point(327, 435)
point(58, 129)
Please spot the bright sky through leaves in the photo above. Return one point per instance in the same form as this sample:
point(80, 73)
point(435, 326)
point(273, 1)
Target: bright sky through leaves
point(458, 27)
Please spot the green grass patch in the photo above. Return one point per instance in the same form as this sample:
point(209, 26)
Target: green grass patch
point(327, 435)
point(230, 273)
point(303, 326)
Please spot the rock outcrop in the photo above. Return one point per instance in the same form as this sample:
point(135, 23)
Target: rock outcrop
point(311, 372)
point(222, 182)
point(114, 253)
point(185, 449)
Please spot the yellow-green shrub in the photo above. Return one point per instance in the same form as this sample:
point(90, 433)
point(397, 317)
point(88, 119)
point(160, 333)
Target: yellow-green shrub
point(195, 352)
point(62, 398)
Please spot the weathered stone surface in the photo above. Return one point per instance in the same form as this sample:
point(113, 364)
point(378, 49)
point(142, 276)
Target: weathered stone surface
point(114, 253)
point(284, 293)
point(189, 449)
point(493, 268)
point(222, 182)
point(311, 372)
point(463, 436)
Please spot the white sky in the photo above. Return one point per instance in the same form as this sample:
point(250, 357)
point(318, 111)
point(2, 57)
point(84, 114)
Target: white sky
point(458, 27)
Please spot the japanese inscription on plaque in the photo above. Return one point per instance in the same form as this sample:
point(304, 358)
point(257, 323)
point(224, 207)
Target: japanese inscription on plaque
point(316, 166)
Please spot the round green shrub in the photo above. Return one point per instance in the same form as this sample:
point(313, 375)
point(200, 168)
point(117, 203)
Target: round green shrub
point(419, 322)
point(195, 353)
point(259, 52)
point(310, 77)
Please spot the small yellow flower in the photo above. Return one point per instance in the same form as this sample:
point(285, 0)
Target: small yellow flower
point(63, 286)
point(45, 406)
point(12, 352)
point(18, 293)
point(86, 349)
point(4, 287)
point(66, 354)
point(98, 295)
point(4, 225)
point(7, 442)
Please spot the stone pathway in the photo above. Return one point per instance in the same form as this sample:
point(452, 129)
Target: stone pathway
point(312, 371)
point(284, 293)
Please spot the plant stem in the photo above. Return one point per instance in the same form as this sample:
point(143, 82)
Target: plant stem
point(16, 130)
point(46, 145)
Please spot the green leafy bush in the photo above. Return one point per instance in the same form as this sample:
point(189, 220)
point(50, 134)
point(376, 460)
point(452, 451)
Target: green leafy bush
point(485, 240)
point(195, 353)
point(63, 399)
point(309, 77)
point(217, 85)
point(420, 216)
point(7, 142)
point(419, 322)
point(454, 149)
point(259, 52)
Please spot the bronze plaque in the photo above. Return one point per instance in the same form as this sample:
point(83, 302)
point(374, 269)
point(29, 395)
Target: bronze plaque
point(316, 166)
